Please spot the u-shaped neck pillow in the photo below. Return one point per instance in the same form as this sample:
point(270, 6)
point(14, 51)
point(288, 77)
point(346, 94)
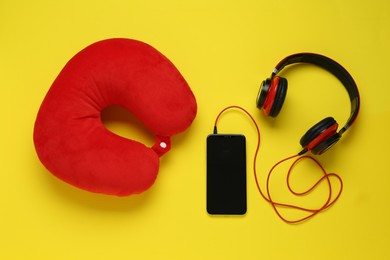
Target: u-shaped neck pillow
point(70, 138)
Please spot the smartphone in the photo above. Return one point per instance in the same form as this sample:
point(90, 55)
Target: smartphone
point(226, 174)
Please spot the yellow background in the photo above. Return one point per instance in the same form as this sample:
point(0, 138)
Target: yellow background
point(224, 49)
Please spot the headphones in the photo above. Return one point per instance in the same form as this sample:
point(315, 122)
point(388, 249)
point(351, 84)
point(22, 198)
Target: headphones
point(323, 135)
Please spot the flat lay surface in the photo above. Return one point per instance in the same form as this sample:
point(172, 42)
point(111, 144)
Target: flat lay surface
point(224, 50)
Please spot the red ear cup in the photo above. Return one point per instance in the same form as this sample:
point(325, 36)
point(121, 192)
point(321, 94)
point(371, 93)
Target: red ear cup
point(271, 95)
point(321, 136)
point(279, 98)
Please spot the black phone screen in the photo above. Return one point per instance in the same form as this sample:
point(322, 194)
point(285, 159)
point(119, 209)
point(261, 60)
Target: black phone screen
point(226, 174)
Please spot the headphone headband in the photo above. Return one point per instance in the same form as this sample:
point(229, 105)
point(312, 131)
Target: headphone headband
point(333, 67)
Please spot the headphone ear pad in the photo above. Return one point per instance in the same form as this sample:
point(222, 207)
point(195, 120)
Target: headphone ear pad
point(326, 144)
point(280, 96)
point(263, 92)
point(321, 136)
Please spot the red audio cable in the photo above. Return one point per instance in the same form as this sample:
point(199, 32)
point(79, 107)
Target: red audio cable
point(276, 205)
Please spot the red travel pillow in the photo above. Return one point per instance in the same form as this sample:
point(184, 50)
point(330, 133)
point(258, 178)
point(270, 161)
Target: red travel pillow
point(70, 138)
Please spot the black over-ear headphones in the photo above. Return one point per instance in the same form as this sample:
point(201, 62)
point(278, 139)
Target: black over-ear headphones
point(322, 135)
